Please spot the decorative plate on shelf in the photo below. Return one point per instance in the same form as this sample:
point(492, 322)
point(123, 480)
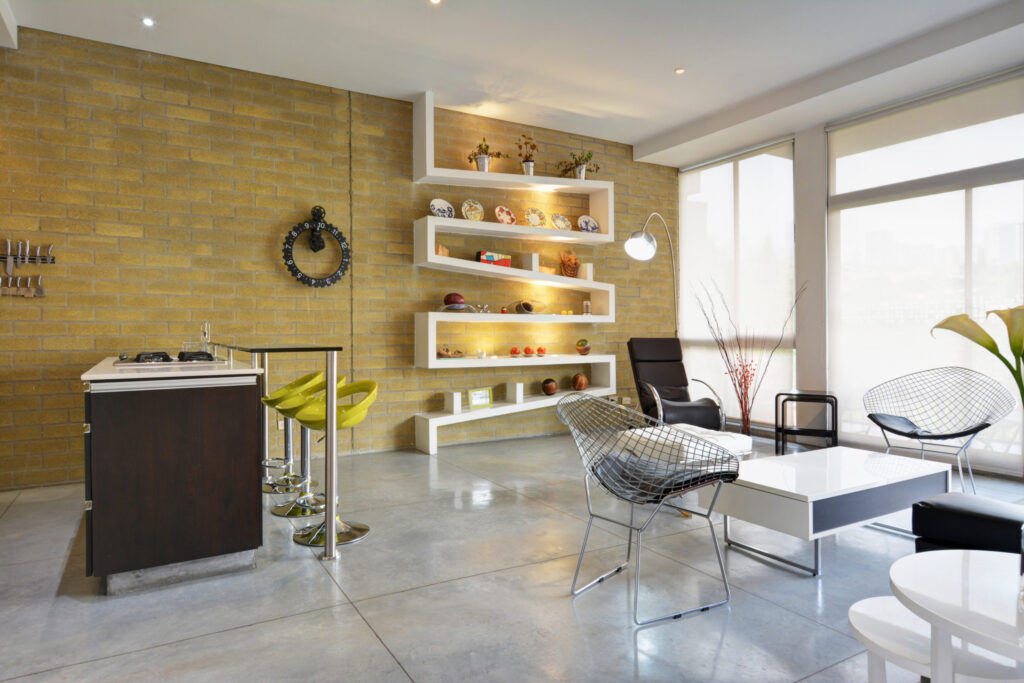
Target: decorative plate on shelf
point(587, 224)
point(441, 208)
point(536, 217)
point(504, 215)
point(472, 210)
point(560, 222)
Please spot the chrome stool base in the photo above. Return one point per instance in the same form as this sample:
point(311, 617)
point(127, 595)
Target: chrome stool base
point(314, 535)
point(304, 506)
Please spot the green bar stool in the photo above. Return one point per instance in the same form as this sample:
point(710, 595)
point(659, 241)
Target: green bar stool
point(314, 416)
point(289, 480)
point(306, 503)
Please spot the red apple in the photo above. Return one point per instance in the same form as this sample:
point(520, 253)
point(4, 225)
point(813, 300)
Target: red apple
point(504, 310)
point(453, 298)
point(541, 350)
point(528, 350)
point(514, 351)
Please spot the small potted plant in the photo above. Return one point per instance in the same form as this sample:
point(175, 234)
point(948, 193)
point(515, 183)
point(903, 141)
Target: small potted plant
point(578, 165)
point(526, 147)
point(482, 156)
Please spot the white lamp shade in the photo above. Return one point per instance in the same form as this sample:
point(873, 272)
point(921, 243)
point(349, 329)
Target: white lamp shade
point(641, 246)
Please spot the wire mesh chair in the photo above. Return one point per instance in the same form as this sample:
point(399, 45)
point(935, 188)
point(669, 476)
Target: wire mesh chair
point(941, 404)
point(642, 461)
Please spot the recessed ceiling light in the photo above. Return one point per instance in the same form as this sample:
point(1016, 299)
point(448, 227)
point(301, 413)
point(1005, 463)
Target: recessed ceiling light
point(435, 2)
point(148, 22)
point(680, 70)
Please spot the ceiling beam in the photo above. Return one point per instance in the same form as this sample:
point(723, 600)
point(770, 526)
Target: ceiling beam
point(982, 43)
point(8, 26)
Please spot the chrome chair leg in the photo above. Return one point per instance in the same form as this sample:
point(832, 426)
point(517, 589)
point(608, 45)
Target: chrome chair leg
point(579, 563)
point(307, 503)
point(970, 472)
point(586, 536)
point(718, 554)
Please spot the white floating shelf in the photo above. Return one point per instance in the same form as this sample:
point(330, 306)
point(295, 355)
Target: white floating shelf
point(513, 181)
point(467, 267)
point(525, 362)
point(600, 192)
point(514, 318)
point(461, 226)
point(426, 343)
point(601, 202)
point(602, 294)
point(427, 423)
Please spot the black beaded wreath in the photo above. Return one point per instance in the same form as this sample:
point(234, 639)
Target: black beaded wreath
point(316, 229)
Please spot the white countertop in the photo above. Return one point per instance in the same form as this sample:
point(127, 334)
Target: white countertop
point(813, 475)
point(106, 370)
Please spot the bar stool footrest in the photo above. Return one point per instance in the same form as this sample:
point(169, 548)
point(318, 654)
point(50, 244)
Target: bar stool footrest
point(304, 506)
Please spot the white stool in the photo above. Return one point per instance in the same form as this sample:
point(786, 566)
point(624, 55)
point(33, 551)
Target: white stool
point(890, 632)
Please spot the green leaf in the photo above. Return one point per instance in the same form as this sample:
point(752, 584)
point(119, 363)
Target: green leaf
point(965, 327)
point(1013, 318)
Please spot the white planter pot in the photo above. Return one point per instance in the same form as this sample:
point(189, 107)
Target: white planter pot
point(527, 168)
point(483, 163)
point(581, 171)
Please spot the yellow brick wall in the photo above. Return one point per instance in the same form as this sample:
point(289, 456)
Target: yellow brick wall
point(167, 186)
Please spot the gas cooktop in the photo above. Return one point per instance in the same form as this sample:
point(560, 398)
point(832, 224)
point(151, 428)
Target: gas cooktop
point(164, 358)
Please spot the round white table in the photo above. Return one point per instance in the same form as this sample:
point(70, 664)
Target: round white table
point(970, 594)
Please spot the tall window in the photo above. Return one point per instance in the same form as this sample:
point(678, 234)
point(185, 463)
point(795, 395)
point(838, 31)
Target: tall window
point(736, 234)
point(926, 215)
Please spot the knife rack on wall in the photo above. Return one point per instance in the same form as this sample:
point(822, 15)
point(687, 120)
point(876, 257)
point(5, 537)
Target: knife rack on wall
point(11, 285)
point(23, 255)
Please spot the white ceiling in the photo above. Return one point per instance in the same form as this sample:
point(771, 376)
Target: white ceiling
point(600, 68)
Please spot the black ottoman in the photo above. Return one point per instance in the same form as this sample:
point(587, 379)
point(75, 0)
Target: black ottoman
point(961, 521)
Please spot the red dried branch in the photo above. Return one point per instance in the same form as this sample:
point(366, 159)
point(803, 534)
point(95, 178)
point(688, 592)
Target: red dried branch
point(746, 356)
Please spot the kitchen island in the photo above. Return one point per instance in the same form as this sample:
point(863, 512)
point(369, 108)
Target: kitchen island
point(172, 470)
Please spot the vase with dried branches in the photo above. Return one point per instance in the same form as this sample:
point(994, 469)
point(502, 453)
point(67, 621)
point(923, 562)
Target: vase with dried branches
point(746, 355)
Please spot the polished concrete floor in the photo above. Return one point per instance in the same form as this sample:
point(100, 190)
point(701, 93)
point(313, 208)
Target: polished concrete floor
point(464, 577)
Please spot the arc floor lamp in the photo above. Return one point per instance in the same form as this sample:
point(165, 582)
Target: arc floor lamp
point(642, 246)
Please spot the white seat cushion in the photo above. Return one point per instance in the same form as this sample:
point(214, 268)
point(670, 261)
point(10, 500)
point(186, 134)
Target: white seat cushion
point(735, 443)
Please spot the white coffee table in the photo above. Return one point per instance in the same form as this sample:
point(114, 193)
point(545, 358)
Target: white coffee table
point(970, 594)
point(814, 494)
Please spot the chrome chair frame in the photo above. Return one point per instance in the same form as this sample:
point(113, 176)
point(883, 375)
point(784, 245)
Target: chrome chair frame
point(945, 404)
point(661, 411)
point(639, 530)
point(642, 461)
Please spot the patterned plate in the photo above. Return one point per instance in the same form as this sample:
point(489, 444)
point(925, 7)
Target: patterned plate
point(560, 222)
point(472, 210)
point(504, 215)
point(536, 217)
point(441, 208)
point(587, 224)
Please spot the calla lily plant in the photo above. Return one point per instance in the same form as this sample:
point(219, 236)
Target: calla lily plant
point(1013, 318)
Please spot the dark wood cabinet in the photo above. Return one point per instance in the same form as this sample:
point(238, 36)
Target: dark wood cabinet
point(172, 471)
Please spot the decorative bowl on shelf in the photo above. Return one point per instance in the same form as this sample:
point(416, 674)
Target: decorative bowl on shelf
point(458, 308)
point(528, 306)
